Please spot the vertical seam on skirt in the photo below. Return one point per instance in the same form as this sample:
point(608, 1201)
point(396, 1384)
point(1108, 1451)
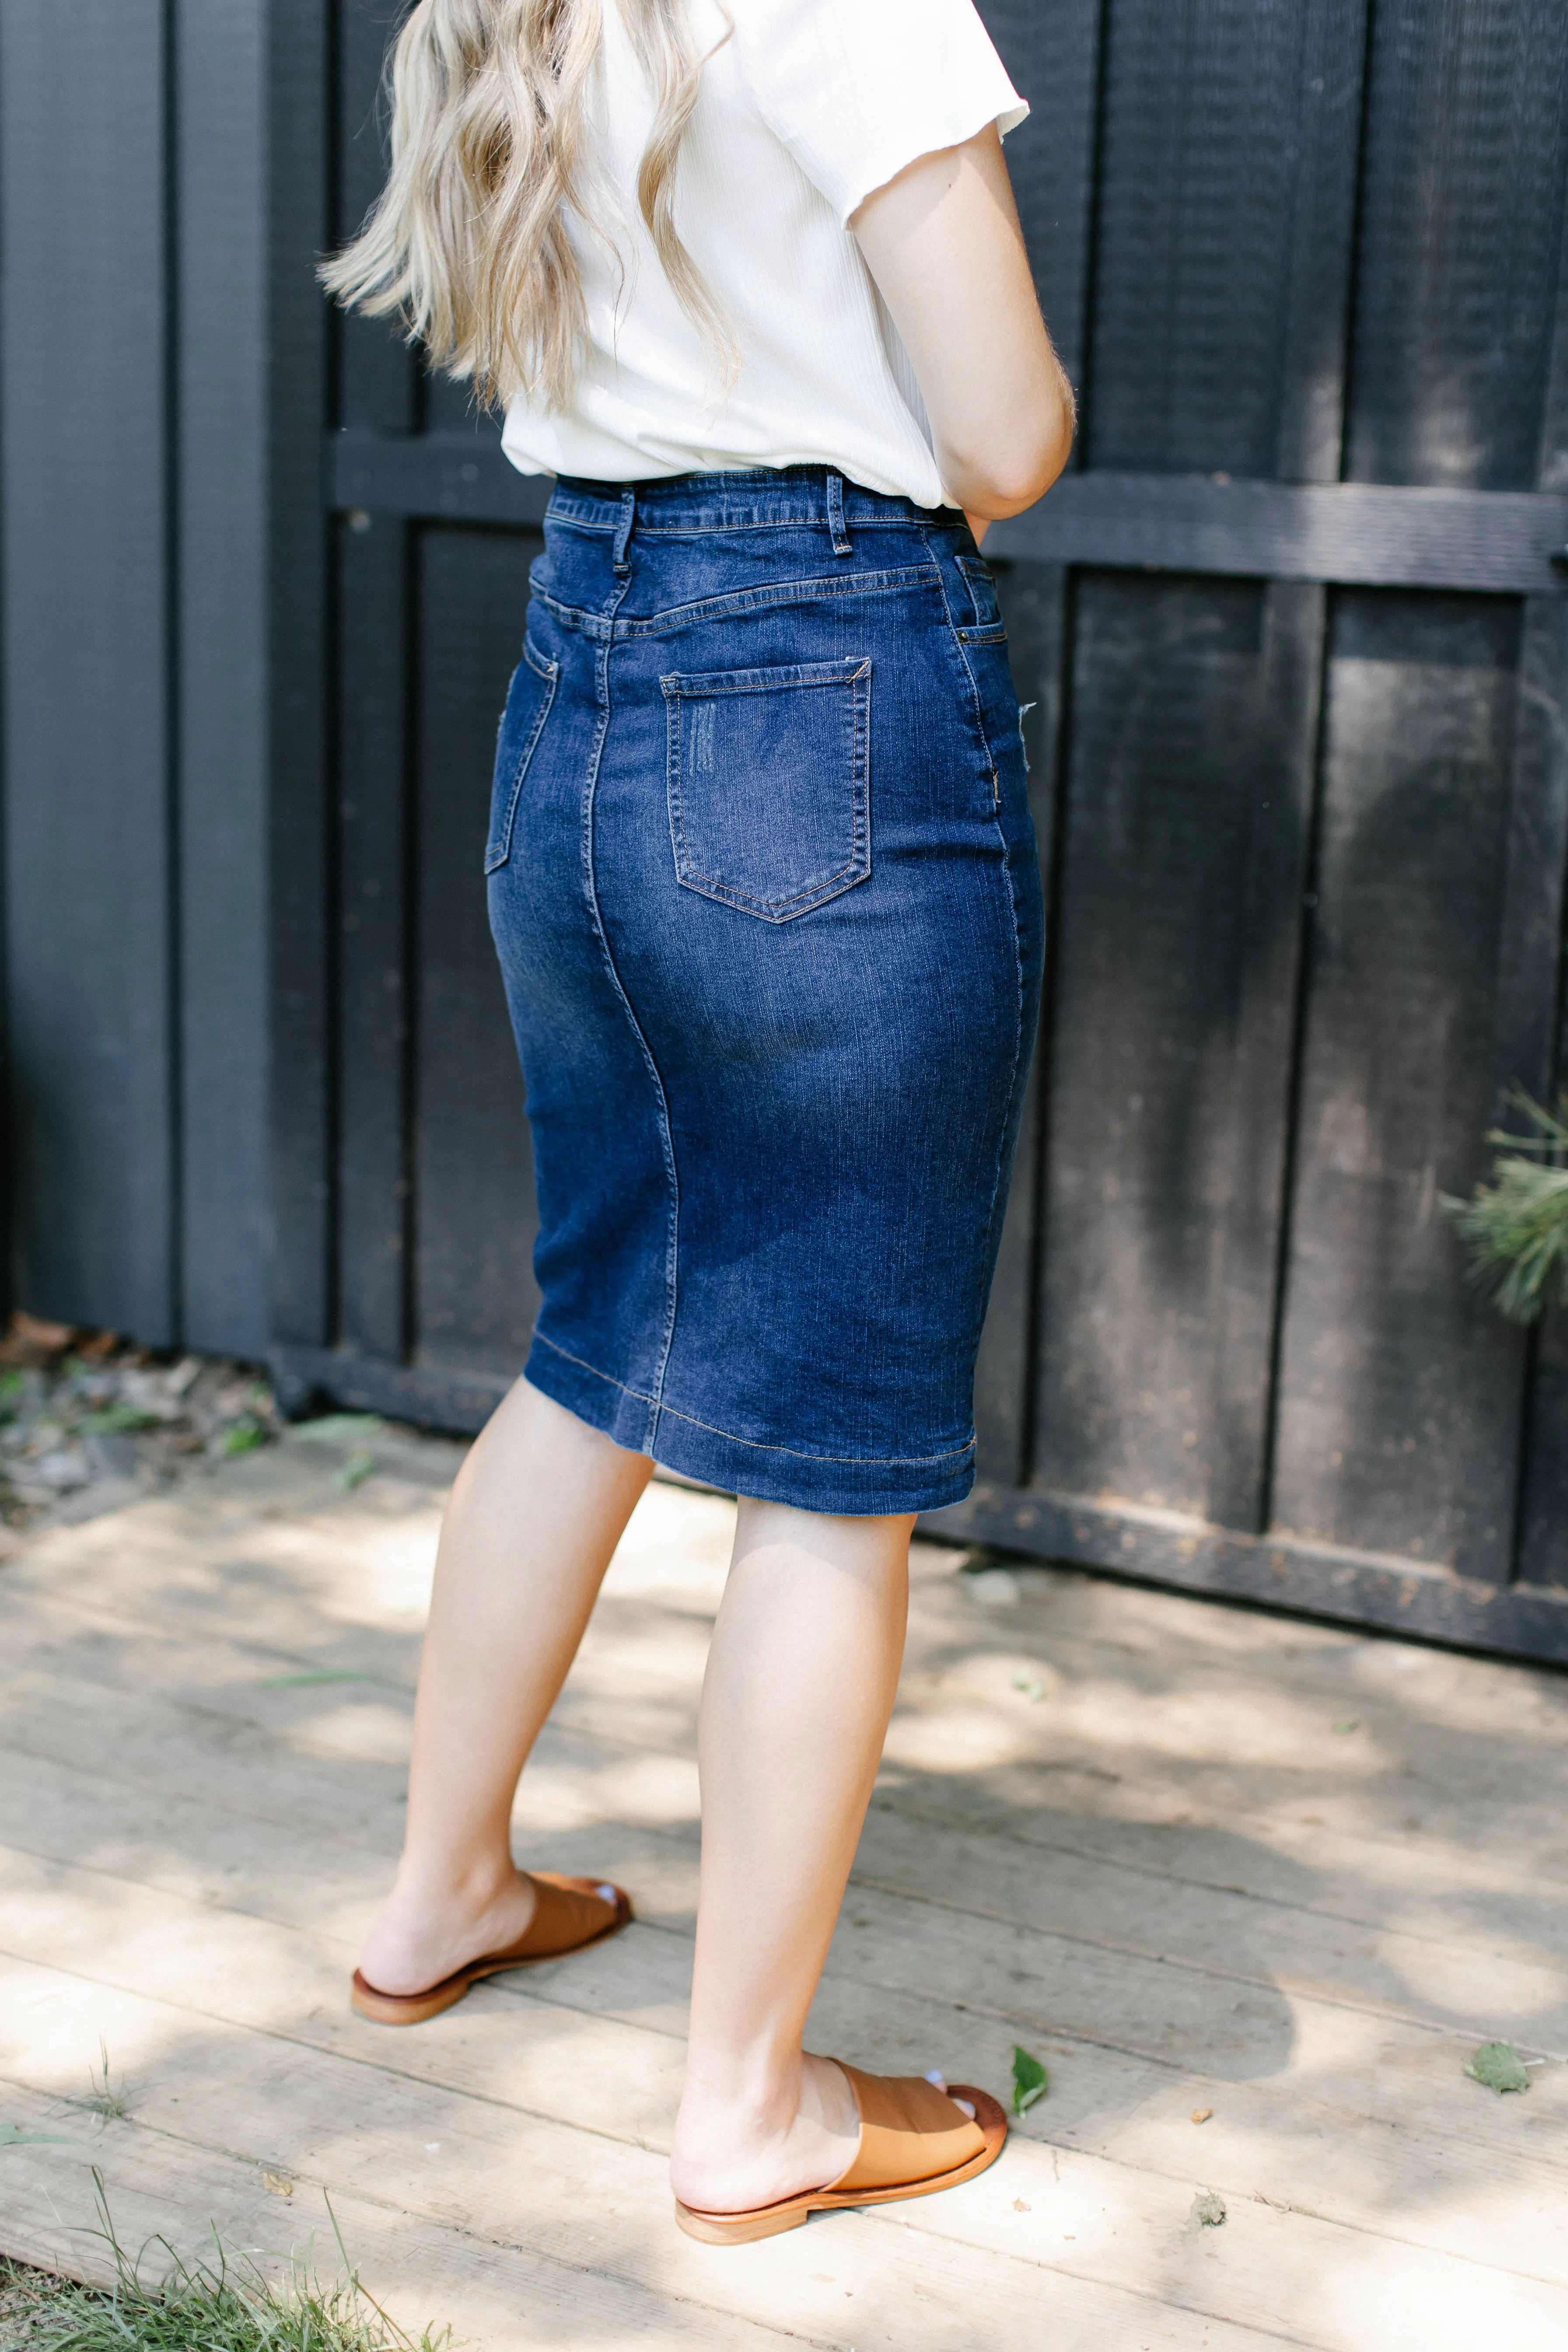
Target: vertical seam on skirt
point(969, 673)
point(667, 1141)
point(1010, 885)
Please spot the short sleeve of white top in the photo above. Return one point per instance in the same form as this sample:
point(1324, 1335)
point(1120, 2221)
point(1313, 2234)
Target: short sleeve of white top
point(804, 109)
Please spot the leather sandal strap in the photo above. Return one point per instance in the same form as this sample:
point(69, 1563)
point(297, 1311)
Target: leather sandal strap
point(909, 2131)
point(567, 1912)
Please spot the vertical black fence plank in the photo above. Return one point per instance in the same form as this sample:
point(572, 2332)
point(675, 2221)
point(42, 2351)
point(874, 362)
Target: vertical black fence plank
point(1185, 803)
point(221, 182)
point(1325, 169)
point(475, 1221)
point(1552, 474)
point(1528, 1049)
point(375, 949)
point(87, 592)
point(1216, 142)
point(1282, 739)
point(377, 371)
point(299, 845)
point(1460, 238)
point(376, 388)
point(1397, 1384)
point(1543, 1499)
point(1309, 440)
point(1531, 945)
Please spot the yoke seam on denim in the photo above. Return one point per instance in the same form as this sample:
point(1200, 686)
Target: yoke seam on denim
point(757, 1444)
point(606, 629)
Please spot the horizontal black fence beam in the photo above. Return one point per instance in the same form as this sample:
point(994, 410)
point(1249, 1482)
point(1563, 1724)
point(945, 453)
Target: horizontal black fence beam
point(1362, 534)
point(1407, 1597)
point(307, 1379)
point(1367, 534)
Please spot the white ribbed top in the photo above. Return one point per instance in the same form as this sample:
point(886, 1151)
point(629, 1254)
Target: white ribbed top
point(809, 107)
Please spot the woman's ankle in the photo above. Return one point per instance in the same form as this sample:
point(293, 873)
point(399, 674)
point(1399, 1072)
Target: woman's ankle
point(759, 2127)
point(431, 1925)
point(438, 1887)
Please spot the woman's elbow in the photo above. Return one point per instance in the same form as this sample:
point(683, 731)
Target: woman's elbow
point(1014, 468)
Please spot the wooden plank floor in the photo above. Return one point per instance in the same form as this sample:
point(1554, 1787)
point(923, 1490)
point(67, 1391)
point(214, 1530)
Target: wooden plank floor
point(1191, 1857)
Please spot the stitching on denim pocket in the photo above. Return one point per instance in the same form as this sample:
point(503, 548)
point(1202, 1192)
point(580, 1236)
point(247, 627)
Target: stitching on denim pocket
point(697, 780)
point(988, 627)
point(498, 848)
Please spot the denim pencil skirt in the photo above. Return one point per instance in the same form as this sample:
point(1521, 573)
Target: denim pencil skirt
point(763, 887)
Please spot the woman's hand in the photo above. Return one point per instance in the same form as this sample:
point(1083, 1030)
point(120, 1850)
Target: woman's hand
point(943, 244)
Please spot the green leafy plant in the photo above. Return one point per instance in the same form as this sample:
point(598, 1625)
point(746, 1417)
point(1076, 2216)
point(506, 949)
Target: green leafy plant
point(1498, 2065)
point(1516, 1226)
point(1030, 2081)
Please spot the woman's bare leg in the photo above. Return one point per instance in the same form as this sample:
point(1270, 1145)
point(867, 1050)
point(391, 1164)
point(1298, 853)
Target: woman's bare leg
point(538, 1507)
point(800, 1685)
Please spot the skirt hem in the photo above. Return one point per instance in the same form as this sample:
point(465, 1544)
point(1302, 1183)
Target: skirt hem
point(843, 1489)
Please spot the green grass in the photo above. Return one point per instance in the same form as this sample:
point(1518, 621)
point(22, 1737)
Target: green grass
point(160, 2303)
point(103, 2099)
point(115, 1421)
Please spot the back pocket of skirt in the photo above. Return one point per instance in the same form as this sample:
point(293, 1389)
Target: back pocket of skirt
point(528, 701)
point(769, 777)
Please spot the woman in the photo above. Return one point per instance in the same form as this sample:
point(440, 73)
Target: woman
point(750, 283)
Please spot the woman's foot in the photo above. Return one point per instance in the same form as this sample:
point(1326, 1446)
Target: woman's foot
point(732, 2154)
point(424, 1935)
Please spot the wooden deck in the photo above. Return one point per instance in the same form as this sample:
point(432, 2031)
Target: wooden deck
point(1203, 1860)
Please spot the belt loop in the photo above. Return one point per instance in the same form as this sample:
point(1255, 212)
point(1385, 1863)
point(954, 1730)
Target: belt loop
point(623, 530)
point(836, 522)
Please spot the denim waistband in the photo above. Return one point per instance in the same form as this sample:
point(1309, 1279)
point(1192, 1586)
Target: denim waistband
point(758, 498)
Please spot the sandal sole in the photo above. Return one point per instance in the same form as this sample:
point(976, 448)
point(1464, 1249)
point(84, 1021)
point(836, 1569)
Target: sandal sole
point(790, 2212)
point(413, 2007)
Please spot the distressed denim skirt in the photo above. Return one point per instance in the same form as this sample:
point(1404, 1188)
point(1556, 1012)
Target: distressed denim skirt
point(762, 883)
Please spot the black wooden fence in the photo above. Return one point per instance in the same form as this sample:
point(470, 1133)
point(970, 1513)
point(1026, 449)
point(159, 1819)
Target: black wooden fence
point(1297, 652)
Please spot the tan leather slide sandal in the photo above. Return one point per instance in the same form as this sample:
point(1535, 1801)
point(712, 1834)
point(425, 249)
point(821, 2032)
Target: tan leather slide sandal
point(913, 2141)
point(569, 1914)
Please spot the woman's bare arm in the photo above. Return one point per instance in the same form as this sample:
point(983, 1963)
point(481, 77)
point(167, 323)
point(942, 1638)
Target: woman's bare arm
point(943, 244)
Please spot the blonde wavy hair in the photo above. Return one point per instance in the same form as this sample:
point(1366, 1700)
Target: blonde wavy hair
point(468, 241)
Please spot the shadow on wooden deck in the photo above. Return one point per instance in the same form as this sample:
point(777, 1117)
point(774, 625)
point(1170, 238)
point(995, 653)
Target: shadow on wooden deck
point(1194, 1858)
